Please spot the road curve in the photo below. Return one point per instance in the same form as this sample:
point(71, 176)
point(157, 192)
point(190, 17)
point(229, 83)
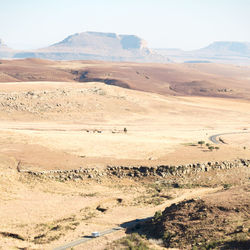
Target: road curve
point(213, 138)
point(102, 233)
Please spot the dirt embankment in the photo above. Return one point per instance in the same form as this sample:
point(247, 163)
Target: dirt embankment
point(218, 221)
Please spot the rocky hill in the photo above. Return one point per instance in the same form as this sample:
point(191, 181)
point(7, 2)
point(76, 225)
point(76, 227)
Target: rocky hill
point(131, 48)
point(227, 48)
point(219, 221)
point(97, 46)
point(220, 52)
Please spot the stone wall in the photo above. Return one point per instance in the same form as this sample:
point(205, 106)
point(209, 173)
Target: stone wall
point(137, 171)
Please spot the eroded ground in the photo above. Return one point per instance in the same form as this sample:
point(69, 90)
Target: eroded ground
point(72, 125)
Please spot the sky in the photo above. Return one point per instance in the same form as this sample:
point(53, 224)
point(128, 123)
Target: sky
point(184, 24)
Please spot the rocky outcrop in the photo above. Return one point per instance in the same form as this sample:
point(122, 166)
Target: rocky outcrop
point(138, 171)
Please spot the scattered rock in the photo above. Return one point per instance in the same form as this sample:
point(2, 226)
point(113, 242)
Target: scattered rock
point(101, 209)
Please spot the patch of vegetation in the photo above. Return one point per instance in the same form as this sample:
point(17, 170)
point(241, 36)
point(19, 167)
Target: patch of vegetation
point(227, 186)
point(149, 200)
point(131, 242)
point(211, 148)
point(89, 194)
point(208, 145)
point(51, 231)
point(157, 216)
point(239, 242)
point(187, 185)
point(191, 144)
point(155, 194)
point(163, 186)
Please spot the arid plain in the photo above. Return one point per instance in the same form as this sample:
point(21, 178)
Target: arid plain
point(73, 115)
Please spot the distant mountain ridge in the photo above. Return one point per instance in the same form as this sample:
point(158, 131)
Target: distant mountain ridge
point(114, 47)
point(97, 46)
point(219, 52)
point(228, 48)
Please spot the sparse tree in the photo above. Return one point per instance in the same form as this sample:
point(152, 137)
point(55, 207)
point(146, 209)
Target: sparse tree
point(211, 148)
point(217, 148)
point(125, 130)
point(207, 144)
point(201, 143)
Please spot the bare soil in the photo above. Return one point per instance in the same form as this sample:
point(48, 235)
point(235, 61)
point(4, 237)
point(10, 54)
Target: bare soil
point(52, 118)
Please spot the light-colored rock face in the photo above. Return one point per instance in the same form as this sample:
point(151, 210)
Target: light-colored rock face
point(92, 46)
point(229, 48)
point(99, 46)
point(101, 40)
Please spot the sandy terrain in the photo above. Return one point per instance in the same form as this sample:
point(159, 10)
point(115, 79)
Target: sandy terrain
point(45, 214)
point(50, 120)
point(67, 125)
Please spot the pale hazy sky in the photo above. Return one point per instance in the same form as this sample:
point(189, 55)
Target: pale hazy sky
point(185, 24)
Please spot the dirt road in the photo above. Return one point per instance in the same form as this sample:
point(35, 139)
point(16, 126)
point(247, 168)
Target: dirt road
point(192, 194)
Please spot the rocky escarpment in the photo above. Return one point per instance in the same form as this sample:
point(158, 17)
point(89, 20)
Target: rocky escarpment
point(98, 46)
point(137, 171)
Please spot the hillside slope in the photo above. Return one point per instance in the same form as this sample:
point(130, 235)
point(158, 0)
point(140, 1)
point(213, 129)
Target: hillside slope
point(218, 221)
point(219, 52)
point(215, 80)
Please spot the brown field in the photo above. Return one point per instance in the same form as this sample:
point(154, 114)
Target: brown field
point(215, 80)
point(67, 115)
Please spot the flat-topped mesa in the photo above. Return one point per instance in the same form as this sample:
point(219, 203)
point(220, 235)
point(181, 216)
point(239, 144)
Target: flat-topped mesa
point(100, 46)
point(100, 40)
